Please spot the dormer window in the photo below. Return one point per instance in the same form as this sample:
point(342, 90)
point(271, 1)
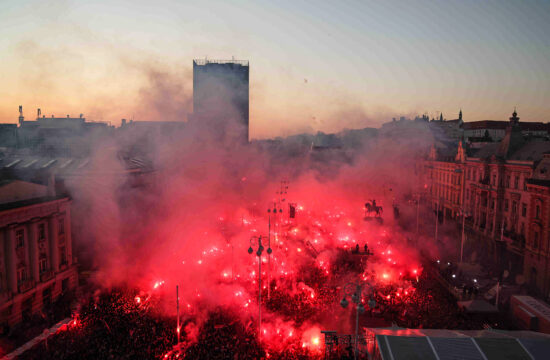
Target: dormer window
point(20, 238)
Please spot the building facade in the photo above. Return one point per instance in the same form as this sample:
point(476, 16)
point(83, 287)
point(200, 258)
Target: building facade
point(36, 252)
point(221, 93)
point(504, 191)
point(60, 136)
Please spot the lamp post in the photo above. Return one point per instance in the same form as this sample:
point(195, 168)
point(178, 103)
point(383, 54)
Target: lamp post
point(354, 290)
point(253, 242)
point(178, 313)
point(437, 218)
point(269, 250)
point(464, 215)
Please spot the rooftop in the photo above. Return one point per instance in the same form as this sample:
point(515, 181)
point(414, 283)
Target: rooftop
point(203, 62)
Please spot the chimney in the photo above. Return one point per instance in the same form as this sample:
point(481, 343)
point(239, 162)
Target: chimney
point(38, 112)
point(21, 118)
point(123, 122)
point(51, 184)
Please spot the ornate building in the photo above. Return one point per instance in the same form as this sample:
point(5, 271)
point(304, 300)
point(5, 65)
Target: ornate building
point(36, 258)
point(504, 190)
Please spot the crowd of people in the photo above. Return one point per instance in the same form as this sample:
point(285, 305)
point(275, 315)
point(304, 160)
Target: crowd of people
point(119, 324)
point(110, 326)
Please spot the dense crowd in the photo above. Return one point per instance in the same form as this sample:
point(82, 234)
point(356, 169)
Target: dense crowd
point(110, 326)
point(119, 324)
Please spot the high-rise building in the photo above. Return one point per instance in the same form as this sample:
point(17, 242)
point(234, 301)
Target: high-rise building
point(221, 93)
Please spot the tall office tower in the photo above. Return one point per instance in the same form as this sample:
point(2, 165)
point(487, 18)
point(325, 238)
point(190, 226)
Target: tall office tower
point(220, 95)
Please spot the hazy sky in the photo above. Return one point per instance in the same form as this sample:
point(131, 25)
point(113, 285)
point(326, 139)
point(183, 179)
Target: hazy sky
point(314, 65)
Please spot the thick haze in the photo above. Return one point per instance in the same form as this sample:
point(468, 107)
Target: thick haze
point(314, 65)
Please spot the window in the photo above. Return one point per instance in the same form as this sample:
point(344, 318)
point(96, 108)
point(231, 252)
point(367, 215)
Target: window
point(537, 212)
point(47, 296)
point(20, 238)
point(62, 255)
point(42, 265)
point(494, 180)
point(506, 205)
point(523, 209)
point(516, 182)
point(41, 231)
point(492, 204)
point(508, 181)
point(522, 231)
point(536, 240)
point(61, 226)
point(21, 275)
point(65, 284)
point(514, 207)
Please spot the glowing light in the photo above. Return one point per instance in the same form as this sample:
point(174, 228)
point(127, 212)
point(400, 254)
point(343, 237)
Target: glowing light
point(315, 341)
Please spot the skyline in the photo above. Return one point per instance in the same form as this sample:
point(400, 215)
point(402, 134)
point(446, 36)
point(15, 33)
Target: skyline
point(313, 66)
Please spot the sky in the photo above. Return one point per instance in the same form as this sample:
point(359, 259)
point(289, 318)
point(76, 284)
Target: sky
point(314, 65)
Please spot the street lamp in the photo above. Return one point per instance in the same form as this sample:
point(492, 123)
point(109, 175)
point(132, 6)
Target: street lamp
point(464, 215)
point(269, 250)
point(253, 242)
point(354, 290)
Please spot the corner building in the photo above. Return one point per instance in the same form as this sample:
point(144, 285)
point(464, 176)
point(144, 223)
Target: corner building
point(36, 258)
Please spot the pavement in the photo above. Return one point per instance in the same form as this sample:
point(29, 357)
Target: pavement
point(31, 343)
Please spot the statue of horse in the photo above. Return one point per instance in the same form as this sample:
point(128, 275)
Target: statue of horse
point(371, 207)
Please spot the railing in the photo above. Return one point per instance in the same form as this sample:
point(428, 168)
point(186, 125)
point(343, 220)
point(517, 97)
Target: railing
point(207, 61)
point(5, 296)
point(46, 275)
point(25, 286)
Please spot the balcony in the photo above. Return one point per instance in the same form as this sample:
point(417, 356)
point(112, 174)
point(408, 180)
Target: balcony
point(46, 275)
point(5, 296)
point(25, 286)
point(515, 241)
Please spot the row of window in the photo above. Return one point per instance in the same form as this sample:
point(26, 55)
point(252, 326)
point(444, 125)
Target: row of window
point(42, 266)
point(470, 197)
point(446, 177)
point(474, 175)
point(20, 233)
